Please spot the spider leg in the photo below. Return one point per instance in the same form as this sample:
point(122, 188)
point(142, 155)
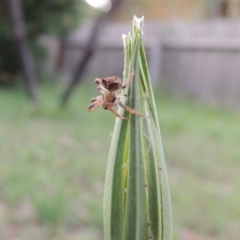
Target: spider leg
point(95, 99)
point(110, 107)
point(101, 88)
point(121, 95)
point(129, 80)
point(96, 102)
point(128, 109)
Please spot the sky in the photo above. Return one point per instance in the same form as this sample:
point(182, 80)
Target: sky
point(101, 4)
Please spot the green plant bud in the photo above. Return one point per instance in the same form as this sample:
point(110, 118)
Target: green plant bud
point(137, 202)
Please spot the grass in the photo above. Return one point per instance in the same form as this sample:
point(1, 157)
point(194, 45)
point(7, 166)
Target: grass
point(53, 160)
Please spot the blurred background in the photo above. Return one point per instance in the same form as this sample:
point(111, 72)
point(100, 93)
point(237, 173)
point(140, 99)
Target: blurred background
point(53, 153)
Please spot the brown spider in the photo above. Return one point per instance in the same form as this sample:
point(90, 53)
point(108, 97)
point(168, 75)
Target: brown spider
point(111, 89)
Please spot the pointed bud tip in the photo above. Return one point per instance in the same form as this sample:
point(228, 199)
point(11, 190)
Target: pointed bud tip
point(138, 21)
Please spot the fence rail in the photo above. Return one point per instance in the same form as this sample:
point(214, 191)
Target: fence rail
point(203, 43)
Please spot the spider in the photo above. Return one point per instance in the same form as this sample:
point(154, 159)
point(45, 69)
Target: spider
point(111, 89)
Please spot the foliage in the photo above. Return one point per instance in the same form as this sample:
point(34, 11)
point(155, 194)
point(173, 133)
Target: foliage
point(41, 17)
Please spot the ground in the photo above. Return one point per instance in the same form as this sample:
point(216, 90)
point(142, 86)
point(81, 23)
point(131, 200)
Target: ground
point(53, 161)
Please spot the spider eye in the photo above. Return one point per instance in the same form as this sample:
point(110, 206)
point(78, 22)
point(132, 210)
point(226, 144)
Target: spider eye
point(104, 81)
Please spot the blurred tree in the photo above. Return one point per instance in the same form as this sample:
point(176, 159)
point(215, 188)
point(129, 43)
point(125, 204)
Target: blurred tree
point(41, 17)
point(19, 30)
point(90, 48)
point(220, 8)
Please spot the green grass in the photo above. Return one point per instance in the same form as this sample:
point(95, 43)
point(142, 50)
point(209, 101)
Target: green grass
point(53, 160)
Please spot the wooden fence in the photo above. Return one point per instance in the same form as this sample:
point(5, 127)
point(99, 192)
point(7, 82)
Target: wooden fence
point(196, 60)
point(202, 60)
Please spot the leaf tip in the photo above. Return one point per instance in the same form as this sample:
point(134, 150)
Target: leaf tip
point(138, 22)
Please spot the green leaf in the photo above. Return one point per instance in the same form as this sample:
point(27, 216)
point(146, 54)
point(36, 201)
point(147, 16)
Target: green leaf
point(137, 202)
